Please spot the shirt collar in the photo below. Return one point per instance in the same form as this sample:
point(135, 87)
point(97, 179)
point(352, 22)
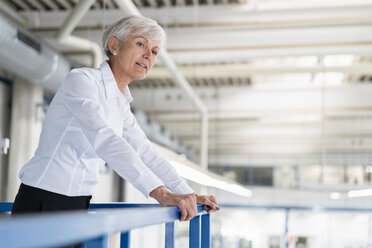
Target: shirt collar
point(112, 89)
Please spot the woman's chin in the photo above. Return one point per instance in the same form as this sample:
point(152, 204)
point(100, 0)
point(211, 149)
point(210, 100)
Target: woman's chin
point(142, 76)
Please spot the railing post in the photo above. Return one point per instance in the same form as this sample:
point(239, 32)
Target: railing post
point(286, 228)
point(101, 242)
point(194, 233)
point(169, 235)
point(125, 240)
point(206, 231)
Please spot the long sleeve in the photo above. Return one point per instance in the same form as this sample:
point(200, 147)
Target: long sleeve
point(164, 170)
point(81, 98)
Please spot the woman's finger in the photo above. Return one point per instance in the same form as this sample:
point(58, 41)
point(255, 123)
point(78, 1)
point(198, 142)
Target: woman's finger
point(183, 213)
point(192, 211)
point(213, 206)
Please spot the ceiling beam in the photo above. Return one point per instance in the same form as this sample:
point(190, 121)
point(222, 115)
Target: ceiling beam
point(52, 5)
point(180, 3)
point(108, 4)
point(153, 3)
point(289, 159)
point(64, 4)
point(247, 70)
point(9, 11)
point(22, 4)
point(256, 116)
point(228, 17)
point(196, 46)
point(167, 3)
point(341, 124)
point(139, 3)
point(37, 5)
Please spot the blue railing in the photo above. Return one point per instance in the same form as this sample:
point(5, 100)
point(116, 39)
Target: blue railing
point(94, 227)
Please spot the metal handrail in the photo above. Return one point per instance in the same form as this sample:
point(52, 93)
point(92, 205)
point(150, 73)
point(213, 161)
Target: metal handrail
point(95, 226)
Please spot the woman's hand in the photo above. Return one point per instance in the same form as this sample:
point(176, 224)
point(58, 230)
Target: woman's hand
point(209, 202)
point(185, 202)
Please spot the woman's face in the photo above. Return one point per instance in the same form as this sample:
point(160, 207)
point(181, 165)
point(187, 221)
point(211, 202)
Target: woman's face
point(137, 56)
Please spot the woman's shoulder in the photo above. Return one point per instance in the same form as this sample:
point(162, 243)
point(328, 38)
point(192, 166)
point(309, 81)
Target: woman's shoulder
point(91, 73)
point(84, 76)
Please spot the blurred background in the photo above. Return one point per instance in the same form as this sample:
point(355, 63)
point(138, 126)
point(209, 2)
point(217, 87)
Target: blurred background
point(267, 104)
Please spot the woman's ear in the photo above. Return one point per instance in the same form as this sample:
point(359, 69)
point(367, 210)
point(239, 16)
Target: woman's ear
point(114, 45)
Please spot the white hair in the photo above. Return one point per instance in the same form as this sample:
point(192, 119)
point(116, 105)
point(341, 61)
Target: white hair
point(137, 25)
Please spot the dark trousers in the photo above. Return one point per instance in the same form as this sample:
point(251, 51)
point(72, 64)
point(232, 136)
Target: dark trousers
point(34, 200)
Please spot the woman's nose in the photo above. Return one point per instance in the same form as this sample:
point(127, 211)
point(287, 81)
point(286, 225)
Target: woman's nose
point(147, 53)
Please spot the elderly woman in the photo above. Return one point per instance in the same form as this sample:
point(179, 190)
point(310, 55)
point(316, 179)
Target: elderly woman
point(89, 122)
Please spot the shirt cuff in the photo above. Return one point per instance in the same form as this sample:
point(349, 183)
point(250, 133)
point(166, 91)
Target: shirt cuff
point(182, 188)
point(147, 182)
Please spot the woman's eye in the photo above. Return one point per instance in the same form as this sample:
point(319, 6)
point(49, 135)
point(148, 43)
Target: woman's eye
point(140, 44)
point(155, 53)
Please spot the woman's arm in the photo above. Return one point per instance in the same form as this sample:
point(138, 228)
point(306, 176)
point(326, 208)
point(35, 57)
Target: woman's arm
point(163, 169)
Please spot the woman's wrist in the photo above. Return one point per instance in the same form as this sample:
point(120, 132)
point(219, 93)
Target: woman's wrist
point(160, 194)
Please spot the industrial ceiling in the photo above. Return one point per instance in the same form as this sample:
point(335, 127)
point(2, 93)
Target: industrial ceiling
point(286, 83)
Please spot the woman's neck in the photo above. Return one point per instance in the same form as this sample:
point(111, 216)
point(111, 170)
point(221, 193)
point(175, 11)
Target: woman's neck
point(122, 80)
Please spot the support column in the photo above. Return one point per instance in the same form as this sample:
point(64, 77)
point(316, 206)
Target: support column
point(25, 129)
point(5, 98)
point(204, 141)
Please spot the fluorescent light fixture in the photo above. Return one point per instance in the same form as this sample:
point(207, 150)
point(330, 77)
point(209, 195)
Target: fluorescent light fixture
point(359, 193)
point(328, 78)
point(335, 195)
point(301, 118)
point(305, 118)
point(339, 60)
point(203, 179)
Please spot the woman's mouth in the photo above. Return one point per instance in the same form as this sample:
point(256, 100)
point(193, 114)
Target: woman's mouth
point(142, 65)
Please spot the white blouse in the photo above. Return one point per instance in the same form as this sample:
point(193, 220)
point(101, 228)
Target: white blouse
point(89, 122)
